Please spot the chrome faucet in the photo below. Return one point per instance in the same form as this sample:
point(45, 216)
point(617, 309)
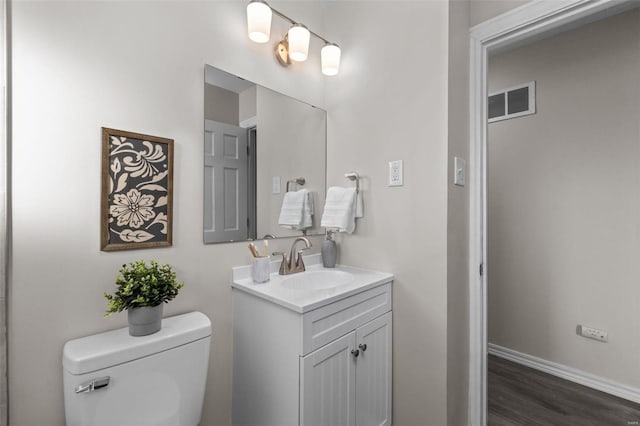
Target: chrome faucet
point(289, 266)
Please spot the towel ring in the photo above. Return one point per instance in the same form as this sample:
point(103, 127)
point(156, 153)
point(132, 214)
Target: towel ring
point(297, 181)
point(354, 176)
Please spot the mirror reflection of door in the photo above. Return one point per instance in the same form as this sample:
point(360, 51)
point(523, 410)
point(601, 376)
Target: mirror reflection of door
point(226, 166)
point(229, 159)
point(230, 182)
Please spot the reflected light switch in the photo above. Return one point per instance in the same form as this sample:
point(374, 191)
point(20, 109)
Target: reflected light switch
point(275, 187)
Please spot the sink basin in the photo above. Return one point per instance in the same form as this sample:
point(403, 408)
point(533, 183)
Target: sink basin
point(316, 287)
point(317, 280)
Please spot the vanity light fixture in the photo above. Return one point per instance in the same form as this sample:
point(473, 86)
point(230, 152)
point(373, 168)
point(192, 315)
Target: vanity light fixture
point(299, 37)
point(330, 55)
point(259, 21)
point(295, 45)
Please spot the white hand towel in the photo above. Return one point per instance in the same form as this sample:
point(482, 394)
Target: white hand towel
point(297, 210)
point(307, 211)
point(340, 209)
point(359, 205)
point(291, 210)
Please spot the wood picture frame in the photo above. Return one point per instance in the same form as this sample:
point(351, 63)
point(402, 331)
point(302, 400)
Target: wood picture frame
point(137, 191)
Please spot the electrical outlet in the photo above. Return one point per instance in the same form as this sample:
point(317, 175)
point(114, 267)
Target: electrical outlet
point(592, 333)
point(396, 173)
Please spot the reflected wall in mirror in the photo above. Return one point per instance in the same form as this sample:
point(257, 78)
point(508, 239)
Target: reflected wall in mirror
point(257, 144)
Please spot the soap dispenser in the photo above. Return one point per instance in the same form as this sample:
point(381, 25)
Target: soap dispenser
point(329, 251)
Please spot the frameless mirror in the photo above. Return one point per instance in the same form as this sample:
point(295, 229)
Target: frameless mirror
point(258, 144)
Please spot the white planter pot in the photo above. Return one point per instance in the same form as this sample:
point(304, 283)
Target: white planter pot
point(146, 320)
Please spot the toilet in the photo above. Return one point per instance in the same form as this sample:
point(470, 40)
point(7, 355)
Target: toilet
point(113, 379)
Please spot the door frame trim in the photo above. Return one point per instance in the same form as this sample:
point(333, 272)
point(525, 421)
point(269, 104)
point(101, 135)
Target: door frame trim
point(534, 20)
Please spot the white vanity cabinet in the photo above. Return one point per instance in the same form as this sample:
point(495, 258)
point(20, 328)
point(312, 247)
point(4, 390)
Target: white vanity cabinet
point(313, 364)
point(348, 381)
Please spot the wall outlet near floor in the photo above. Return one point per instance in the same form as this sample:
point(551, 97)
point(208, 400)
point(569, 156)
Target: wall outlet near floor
point(396, 173)
point(592, 333)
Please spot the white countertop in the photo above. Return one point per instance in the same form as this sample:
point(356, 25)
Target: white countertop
point(299, 299)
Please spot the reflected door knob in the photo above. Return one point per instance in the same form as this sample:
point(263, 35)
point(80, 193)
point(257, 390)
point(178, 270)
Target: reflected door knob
point(355, 352)
point(363, 346)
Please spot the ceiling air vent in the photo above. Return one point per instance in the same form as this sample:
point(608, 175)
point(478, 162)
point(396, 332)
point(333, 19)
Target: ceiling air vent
point(512, 102)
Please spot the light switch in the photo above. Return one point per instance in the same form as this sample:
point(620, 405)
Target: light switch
point(275, 186)
point(459, 171)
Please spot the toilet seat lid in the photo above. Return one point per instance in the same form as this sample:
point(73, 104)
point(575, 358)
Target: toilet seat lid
point(104, 350)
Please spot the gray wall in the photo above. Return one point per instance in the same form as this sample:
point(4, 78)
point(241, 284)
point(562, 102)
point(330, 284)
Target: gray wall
point(247, 103)
point(564, 203)
point(221, 105)
point(388, 105)
point(482, 10)
point(291, 143)
point(458, 218)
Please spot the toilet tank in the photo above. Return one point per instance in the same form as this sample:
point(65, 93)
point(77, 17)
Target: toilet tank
point(113, 379)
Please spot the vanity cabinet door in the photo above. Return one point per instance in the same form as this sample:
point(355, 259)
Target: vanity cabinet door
point(328, 384)
point(373, 380)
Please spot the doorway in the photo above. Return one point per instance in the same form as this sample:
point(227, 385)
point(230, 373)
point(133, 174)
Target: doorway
point(563, 202)
point(532, 21)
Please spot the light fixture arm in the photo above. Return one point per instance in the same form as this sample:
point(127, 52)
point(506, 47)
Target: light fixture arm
point(292, 22)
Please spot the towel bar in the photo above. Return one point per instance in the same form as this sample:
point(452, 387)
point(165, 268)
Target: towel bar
point(297, 181)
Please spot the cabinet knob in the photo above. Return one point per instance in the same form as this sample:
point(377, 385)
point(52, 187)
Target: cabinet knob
point(363, 346)
point(355, 352)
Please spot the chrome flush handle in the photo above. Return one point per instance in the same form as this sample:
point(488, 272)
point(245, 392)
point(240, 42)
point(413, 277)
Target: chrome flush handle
point(93, 385)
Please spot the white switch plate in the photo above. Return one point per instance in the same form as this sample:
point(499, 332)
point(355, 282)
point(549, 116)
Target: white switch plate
point(396, 173)
point(459, 172)
point(275, 185)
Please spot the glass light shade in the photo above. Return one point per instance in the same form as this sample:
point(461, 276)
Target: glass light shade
point(298, 36)
point(330, 55)
point(259, 21)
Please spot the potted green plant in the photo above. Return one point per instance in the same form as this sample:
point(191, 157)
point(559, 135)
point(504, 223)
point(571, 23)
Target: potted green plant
point(142, 291)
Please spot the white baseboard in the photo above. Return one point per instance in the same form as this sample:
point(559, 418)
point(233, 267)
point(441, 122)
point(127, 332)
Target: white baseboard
point(567, 373)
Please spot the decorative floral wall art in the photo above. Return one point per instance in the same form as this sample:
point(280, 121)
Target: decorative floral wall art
point(137, 191)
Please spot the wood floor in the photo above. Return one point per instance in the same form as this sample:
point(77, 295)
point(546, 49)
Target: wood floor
point(519, 395)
